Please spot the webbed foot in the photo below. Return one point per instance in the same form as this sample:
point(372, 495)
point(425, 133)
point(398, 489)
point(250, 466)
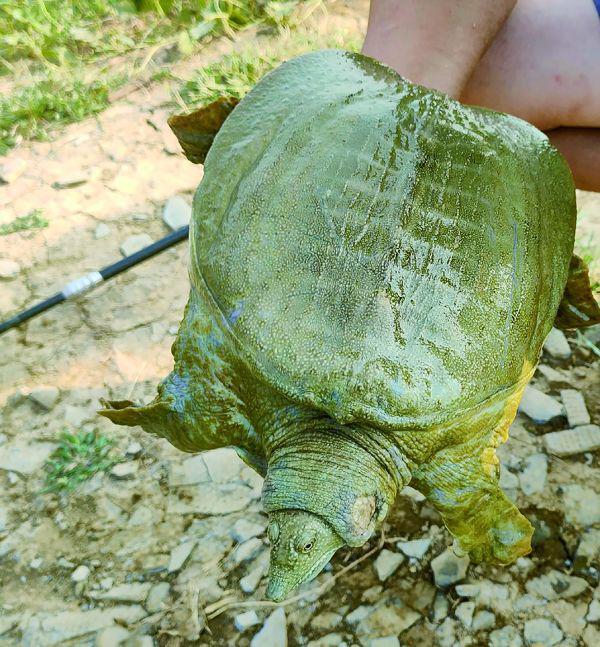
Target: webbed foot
point(486, 524)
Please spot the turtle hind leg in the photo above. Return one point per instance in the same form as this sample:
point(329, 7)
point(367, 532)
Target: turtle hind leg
point(487, 525)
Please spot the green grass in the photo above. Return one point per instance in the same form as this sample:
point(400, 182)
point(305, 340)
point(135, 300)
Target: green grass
point(235, 74)
point(33, 220)
point(76, 459)
point(56, 46)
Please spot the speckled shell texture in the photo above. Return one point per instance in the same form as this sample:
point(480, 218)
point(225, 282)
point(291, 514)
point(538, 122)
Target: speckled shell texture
point(376, 249)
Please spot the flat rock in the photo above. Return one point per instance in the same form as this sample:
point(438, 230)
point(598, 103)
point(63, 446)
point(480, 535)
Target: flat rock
point(553, 377)
point(189, 472)
point(507, 636)
point(415, 547)
point(23, 457)
point(12, 169)
point(133, 592)
point(247, 550)
point(45, 396)
point(572, 441)
point(157, 597)
point(542, 631)
point(223, 464)
point(556, 344)
point(386, 563)
point(577, 413)
point(9, 269)
point(532, 476)
point(389, 617)
point(102, 231)
point(581, 505)
point(177, 212)
point(249, 583)
point(180, 555)
point(245, 620)
point(273, 632)
point(243, 530)
point(80, 574)
point(135, 243)
point(541, 408)
point(464, 612)
point(45, 629)
point(111, 636)
point(483, 620)
point(125, 470)
point(449, 568)
point(211, 499)
point(555, 585)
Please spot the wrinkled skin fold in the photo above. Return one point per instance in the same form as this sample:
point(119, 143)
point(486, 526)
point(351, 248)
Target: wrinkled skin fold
point(374, 270)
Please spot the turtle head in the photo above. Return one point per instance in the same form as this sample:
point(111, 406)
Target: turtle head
point(301, 544)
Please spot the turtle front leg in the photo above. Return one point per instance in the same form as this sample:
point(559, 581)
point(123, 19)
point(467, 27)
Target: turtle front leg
point(463, 487)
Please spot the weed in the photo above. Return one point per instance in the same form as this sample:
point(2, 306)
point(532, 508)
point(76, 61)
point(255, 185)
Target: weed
point(33, 220)
point(235, 74)
point(76, 459)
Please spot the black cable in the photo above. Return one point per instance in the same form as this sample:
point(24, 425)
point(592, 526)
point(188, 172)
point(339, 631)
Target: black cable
point(89, 281)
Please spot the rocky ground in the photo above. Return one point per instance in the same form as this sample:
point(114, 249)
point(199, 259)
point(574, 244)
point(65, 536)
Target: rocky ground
point(170, 549)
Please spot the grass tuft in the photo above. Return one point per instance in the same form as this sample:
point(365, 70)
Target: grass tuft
point(33, 220)
point(76, 459)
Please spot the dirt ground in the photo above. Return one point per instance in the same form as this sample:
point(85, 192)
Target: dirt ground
point(170, 549)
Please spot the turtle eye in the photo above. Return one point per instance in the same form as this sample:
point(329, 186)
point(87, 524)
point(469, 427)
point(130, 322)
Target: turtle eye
point(273, 532)
point(307, 546)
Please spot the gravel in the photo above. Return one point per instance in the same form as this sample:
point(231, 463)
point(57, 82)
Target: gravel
point(573, 441)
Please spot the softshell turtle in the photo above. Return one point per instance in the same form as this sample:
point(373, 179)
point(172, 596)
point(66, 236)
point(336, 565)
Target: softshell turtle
point(374, 269)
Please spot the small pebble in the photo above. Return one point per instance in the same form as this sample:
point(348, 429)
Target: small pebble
point(244, 620)
point(593, 613)
point(102, 230)
point(179, 555)
point(70, 181)
point(507, 636)
point(45, 396)
point(572, 441)
point(135, 243)
point(483, 620)
point(244, 530)
point(12, 169)
point(80, 574)
point(273, 632)
point(126, 470)
point(541, 630)
point(556, 344)
point(464, 612)
point(449, 568)
point(177, 213)
point(157, 596)
point(386, 563)
point(9, 269)
point(133, 449)
point(532, 476)
point(577, 413)
point(36, 563)
point(111, 636)
point(415, 548)
point(541, 408)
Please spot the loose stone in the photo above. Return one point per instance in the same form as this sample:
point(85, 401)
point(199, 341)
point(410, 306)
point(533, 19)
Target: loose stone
point(273, 632)
point(244, 530)
point(415, 548)
point(126, 470)
point(532, 477)
point(135, 243)
point(593, 613)
point(177, 213)
point(577, 413)
point(483, 620)
point(449, 568)
point(9, 269)
point(556, 344)
point(102, 231)
point(386, 563)
point(157, 596)
point(508, 636)
point(541, 408)
point(80, 574)
point(573, 441)
point(245, 620)
point(45, 396)
point(555, 585)
point(179, 556)
point(464, 612)
point(540, 630)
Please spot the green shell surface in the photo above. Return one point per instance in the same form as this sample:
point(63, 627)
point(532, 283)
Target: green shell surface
point(376, 249)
